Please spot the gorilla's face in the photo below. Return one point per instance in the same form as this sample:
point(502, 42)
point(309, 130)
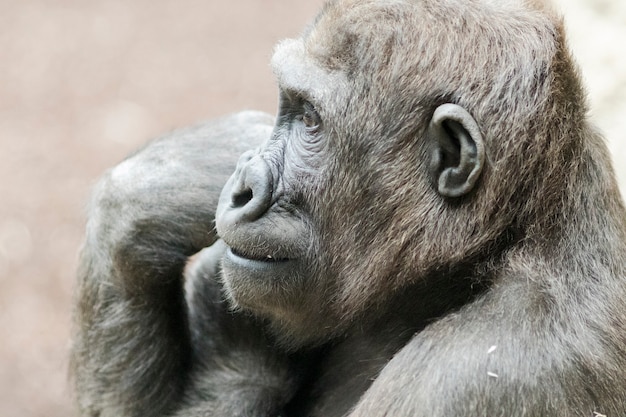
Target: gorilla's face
point(269, 209)
point(309, 217)
point(346, 202)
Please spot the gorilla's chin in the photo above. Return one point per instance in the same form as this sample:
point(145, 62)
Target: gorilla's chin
point(261, 284)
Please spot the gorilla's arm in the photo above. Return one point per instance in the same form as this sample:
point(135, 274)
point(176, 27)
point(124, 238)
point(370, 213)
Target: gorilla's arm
point(136, 350)
point(235, 369)
point(511, 352)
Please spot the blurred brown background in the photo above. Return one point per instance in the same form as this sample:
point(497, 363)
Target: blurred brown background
point(82, 83)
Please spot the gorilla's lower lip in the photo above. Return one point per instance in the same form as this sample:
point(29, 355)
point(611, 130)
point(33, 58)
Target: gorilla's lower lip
point(238, 268)
point(243, 256)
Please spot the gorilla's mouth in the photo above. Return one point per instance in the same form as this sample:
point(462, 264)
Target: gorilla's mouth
point(268, 258)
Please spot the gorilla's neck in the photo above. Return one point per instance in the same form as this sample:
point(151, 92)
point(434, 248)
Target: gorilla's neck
point(586, 232)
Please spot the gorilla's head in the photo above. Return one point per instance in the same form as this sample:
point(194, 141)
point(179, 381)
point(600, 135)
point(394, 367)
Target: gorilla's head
point(398, 127)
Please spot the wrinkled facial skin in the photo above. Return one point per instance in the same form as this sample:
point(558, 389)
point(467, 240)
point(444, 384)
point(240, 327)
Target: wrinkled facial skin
point(302, 214)
point(316, 220)
point(265, 210)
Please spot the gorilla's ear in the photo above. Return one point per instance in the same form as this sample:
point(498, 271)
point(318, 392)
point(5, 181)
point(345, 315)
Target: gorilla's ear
point(458, 150)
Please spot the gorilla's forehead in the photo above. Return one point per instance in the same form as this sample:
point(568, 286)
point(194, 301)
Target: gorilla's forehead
point(297, 71)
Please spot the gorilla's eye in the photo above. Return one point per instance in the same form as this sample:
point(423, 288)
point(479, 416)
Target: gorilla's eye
point(310, 118)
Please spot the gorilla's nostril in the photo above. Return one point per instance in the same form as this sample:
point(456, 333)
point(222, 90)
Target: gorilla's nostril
point(242, 198)
point(248, 194)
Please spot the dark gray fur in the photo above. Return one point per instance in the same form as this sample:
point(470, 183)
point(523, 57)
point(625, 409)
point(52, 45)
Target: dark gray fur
point(138, 350)
point(394, 292)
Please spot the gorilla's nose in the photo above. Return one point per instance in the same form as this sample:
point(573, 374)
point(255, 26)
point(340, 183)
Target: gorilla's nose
point(248, 194)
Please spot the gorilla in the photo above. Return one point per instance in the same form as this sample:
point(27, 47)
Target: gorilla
point(429, 227)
